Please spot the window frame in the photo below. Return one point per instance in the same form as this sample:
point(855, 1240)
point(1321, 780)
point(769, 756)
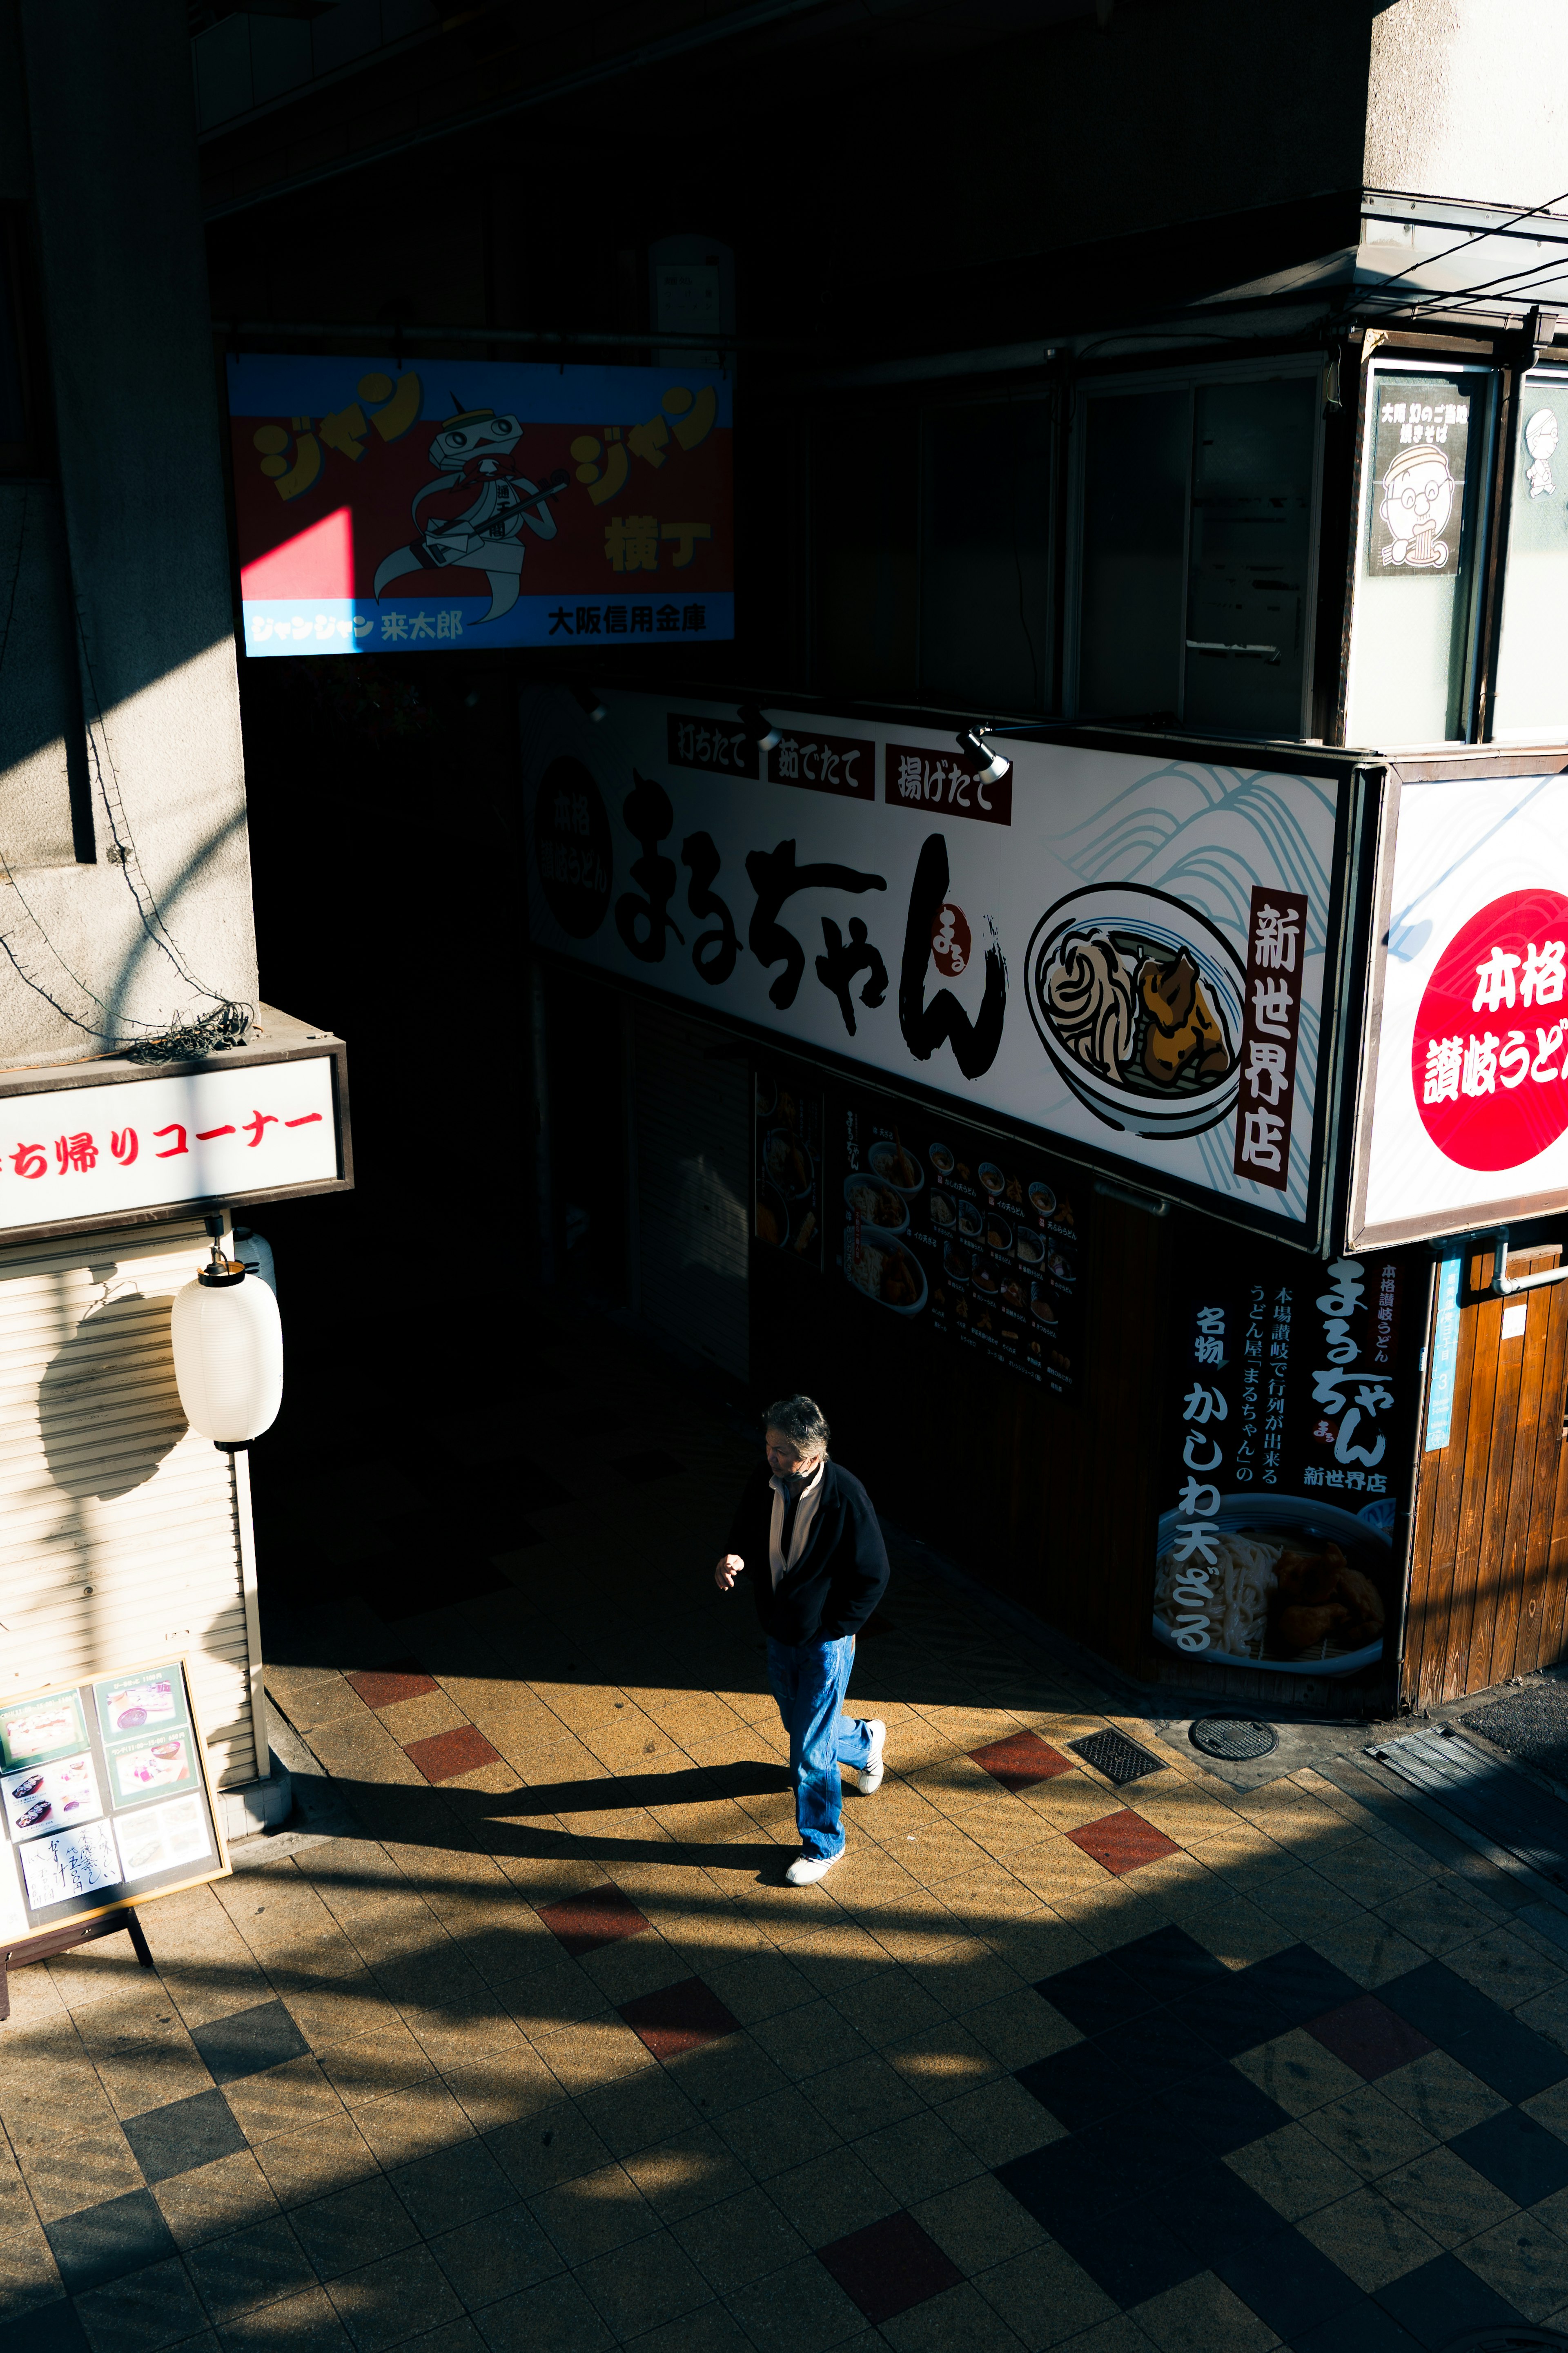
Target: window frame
point(1187, 379)
point(1045, 392)
point(1481, 653)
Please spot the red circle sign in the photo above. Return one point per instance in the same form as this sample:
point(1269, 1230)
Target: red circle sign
point(951, 940)
point(1491, 1047)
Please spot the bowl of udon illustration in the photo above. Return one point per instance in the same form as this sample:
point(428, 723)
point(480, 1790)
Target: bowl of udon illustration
point(1137, 1002)
point(878, 1263)
point(876, 1204)
point(896, 1166)
point(1297, 1585)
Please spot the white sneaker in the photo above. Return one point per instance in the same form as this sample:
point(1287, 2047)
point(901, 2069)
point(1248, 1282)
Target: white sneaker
point(806, 1869)
point(872, 1770)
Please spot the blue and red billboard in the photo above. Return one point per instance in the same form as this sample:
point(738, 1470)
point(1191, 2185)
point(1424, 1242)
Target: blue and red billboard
point(393, 509)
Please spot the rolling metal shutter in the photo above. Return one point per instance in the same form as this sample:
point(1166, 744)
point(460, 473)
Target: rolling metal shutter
point(122, 1535)
point(690, 1179)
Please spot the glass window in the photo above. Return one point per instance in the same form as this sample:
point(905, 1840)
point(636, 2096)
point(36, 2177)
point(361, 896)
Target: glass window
point(1197, 543)
point(1137, 448)
point(985, 629)
point(1249, 554)
point(1413, 612)
point(1532, 696)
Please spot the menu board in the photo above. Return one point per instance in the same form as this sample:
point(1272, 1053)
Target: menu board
point(975, 1239)
point(786, 1193)
point(105, 1798)
point(1286, 1467)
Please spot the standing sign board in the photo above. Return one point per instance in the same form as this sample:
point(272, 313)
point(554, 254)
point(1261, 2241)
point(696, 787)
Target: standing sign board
point(107, 1801)
point(1462, 1117)
point(1288, 1462)
point(380, 511)
point(1133, 955)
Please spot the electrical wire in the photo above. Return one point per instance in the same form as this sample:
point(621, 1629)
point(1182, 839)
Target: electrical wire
point(1496, 228)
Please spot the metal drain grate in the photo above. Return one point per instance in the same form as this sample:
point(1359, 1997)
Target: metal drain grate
point(1235, 1737)
point(1120, 1760)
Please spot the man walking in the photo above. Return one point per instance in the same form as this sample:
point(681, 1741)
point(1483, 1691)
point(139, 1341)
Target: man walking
point(807, 1537)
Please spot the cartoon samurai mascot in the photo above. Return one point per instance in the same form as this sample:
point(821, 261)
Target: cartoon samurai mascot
point(474, 452)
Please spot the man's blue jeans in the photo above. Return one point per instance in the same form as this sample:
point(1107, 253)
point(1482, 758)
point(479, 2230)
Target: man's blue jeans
point(809, 1680)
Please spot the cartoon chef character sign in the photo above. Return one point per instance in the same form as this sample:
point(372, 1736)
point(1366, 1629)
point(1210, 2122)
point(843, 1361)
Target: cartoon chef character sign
point(1418, 500)
point(475, 453)
point(1541, 440)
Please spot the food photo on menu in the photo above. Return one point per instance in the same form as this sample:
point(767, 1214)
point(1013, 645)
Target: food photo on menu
point(33, 1729)
point(162, 1837)
point(144, 1769)
point(786, 1214)
point(39, 1798)
point(139, 1702)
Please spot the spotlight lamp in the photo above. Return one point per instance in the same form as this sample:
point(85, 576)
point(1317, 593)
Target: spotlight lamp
point(592, 706)
point(993, 767)
point(229, 1351)
point(757, 729)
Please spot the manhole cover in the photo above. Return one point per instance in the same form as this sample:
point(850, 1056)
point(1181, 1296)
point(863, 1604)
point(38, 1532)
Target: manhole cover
point(1516, 2337)
point(1120, 1760)
point(1234, 1737)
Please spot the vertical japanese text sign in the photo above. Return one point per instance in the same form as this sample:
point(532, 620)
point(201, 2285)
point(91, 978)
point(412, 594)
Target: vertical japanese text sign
point(1272, 1021)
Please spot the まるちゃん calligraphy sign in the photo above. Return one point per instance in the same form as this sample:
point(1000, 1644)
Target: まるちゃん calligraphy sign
point(1270, 1027)
point(1488, 1060)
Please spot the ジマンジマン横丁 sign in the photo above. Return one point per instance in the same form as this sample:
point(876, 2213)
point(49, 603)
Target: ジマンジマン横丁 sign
point(1132, 953)
point(116, 1147)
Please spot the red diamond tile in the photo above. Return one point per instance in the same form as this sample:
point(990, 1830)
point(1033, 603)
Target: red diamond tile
point(1018, 1763)
point(679, 2018)
point(1123, 1841)
point(447, 1754)
point(596, 1918)
point(384, 1686)
point(888, 2267)
point(1369, 2036)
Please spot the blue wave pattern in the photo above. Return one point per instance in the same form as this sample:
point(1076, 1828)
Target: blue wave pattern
point(1207, 835)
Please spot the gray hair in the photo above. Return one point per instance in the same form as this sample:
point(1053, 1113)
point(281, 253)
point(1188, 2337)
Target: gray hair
point(800, 1420)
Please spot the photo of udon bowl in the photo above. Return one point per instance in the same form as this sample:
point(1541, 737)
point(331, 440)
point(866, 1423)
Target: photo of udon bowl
point(1137, 1002)
point(1299, 1586)
point(879, 1265)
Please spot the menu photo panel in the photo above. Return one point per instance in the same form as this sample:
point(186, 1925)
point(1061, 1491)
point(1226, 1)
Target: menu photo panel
point(106, 1798)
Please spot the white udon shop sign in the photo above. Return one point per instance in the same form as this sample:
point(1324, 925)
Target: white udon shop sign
point(1464, 1105)
point(142, 1144)
point(1121, 948)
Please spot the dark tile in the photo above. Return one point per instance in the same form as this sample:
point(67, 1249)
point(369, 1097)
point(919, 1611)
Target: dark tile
point(249, 2267)
point(447, 1753)
point(1123, 1841)
point(1512, 2059)
point(1158, 2050)
point(599, 1916)
point(1087, 2174)
point(451, 2187)
point(1518, 2156)
point(1022, 1761)
point(1443, 2300)
point(1443, 2004)
point(1288, 2283)
point(248, 2040)
point(144, 2312)
point(1369, 2036)
point(49, 2328)
point(640, 1468)
point(679, 2018)
point(1362, 2328)
point(1234, 2017)
point(104, 2243)
point(888, 2267)
point(496, 2255)
point(1130, 2254)
point(184, 2134)
point(1300, 1983)
point(384, 1686)
point(1214, 2213)
point(1097, 1994)
point(1171, 1964)
point(1079, 2086)
point(352, 2227)
point(1211, 2114)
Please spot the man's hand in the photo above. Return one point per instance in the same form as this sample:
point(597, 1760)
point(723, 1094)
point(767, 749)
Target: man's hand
point(728, 1570)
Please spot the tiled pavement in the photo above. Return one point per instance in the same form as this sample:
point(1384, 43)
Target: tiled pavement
point(544, 2055)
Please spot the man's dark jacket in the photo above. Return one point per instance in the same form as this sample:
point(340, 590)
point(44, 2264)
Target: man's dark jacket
point(839, 1578)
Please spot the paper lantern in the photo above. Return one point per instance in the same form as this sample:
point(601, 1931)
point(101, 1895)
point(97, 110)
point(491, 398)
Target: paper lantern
point(228, 1354)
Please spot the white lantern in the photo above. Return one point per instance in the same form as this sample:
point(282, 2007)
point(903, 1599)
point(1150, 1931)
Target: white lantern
point(229, 1352)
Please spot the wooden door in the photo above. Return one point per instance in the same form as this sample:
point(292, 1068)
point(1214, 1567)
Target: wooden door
point(1489, 1549)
